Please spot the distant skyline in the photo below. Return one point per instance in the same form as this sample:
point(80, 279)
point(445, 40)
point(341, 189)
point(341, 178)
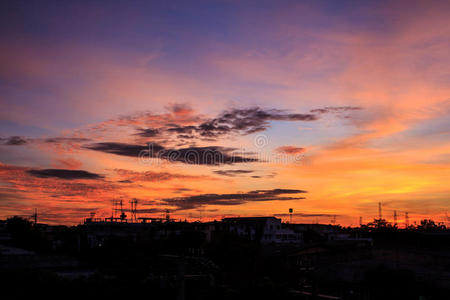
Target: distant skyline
point(326, 107)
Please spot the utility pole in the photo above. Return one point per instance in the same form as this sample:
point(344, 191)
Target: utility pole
point(395, 218)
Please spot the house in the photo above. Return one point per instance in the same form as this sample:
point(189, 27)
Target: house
point(266, 230)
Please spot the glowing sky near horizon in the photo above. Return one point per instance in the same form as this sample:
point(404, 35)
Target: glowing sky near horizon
point(326, 107)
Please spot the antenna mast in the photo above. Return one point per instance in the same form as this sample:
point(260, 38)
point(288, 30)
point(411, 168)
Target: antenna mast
point(35, 216)
point(133, 203)
point(123, 216)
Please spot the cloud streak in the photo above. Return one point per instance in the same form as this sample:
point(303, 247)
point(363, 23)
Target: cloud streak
point(212, 155)
point(14, 141)
point(232, 173)
point(151, 176)
point(196, 201)
point(290, 150)
point(64, 174)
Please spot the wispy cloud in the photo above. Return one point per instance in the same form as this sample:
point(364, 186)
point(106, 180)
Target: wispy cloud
point(14, 141)
point(232, 173)
point(152, 176)
point(290, 150)
point(234, 121)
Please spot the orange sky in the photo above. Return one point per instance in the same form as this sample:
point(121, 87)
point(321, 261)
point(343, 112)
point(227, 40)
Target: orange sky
point(327, 108)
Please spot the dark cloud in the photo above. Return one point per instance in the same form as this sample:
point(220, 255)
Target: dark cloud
point(14, 141)
point(271, 175)
point(197, 201)
point(58, 140)
point(247, 121)
point(290, 150)
point(212, 155)
point(235, 121)
point(181, 129)
point(334, 109)
point(185, 136)
point(18, 140)
point(123, 149)
point(232, 173)
point(182, 190)
point(149, 132)
point(63, 174)
point(125, 181)
point(180, 108)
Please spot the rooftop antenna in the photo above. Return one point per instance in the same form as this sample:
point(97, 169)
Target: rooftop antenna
point(123, 216)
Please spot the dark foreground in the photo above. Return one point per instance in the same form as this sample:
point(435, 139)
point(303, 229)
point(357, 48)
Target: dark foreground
point(177, 260)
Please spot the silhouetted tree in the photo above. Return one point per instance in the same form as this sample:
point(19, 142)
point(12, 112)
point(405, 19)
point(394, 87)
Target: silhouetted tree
point(379, 223)
point(20, 231)
point(24, 235)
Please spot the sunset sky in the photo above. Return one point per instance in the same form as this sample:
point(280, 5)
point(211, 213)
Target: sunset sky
point(326, 107)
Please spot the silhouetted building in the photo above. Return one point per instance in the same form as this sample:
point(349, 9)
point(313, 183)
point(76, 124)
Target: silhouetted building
point(266, 230)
